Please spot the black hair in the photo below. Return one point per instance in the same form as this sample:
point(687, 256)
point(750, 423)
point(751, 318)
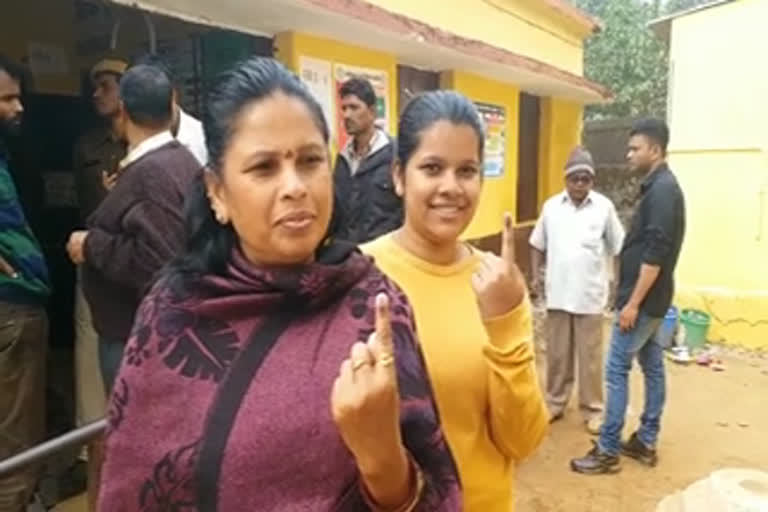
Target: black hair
point(655, 130)
point(147, 96)
point(428, 108)
point(154, 60)
point(208, 243)
point(361, 88)
point(14, 70)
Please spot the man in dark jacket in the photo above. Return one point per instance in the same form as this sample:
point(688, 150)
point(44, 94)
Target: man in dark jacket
point(366, 204)
point(139, 226)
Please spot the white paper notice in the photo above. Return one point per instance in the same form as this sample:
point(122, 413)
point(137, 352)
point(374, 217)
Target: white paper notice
point(316, 74)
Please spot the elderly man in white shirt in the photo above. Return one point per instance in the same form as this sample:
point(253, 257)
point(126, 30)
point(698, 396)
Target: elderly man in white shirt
point(578, 234)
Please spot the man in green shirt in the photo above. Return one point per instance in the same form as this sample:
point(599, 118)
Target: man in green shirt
point(24, 290)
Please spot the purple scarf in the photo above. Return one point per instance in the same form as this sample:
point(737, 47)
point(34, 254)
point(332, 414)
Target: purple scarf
point(223, 399)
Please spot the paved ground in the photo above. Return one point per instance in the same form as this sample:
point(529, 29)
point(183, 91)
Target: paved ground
point(712, 421)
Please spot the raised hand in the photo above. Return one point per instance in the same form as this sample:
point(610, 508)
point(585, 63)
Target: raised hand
point(498, 283)
point(365, 401)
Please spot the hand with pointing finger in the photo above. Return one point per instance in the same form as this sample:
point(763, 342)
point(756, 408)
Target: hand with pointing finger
point(366, 409)
point(7, 269)
point(109, 180)
point(498, 283)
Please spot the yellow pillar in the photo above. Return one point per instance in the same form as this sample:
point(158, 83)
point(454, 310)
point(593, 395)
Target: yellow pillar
point(499, 193)
point(559, 132)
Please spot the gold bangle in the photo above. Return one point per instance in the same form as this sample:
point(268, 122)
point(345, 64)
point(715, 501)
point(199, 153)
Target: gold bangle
point(417, 491)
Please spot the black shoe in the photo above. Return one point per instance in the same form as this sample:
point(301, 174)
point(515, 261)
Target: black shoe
point(635, 449)
point(596, 463)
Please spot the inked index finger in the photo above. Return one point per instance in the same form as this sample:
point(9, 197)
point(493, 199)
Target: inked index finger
point(508, 241)
point(383, 326)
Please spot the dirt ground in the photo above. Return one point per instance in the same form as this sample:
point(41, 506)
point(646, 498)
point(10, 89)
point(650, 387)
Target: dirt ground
point(712, 420)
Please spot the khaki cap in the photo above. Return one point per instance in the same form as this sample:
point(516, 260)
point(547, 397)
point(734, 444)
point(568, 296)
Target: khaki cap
point(115, 66)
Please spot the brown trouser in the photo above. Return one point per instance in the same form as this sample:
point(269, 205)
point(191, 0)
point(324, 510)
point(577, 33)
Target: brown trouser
point(23, 349)
point(574, 338)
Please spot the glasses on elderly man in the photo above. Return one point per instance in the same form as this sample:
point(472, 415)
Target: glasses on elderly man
point(584, 178)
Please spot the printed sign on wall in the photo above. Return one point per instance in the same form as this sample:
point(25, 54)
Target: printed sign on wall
point(316, 75)
point(494, 119)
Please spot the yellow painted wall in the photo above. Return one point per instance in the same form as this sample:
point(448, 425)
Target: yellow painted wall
point(44, 22)
point(525, 27)
point(290, 46)
point(499, 194)
point(738, 318)
point(719, 151)
point(559, 132)
point(718, 84)
point(723, 268)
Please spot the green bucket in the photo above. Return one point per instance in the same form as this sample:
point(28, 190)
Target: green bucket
point(696, 324)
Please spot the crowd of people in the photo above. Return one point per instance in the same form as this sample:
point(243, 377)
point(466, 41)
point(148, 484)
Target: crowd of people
point(275, 333)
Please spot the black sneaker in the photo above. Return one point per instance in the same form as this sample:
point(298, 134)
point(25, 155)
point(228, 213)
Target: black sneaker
point(596, 463)
point(635, 449)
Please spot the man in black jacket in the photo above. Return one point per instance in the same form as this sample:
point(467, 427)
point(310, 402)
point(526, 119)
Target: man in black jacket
point(366, 205)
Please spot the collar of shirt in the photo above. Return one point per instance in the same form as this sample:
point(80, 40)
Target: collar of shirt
point(184, 123)
point(378, 141)
point(587, 200)
point(150, 144)
point(191, 136)
point(649, 180)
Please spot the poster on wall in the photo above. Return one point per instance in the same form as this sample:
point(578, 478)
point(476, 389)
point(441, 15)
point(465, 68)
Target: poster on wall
point(379, 81)
point(47, 59)
point(494, 120)
point(316, 75)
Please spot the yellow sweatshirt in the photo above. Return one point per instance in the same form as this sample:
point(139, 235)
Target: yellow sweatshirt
point(483, 373)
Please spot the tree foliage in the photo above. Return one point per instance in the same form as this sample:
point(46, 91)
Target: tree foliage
point(673, 6)
point(627, 57)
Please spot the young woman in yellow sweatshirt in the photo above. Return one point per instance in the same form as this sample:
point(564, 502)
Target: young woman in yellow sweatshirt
point(472, 311)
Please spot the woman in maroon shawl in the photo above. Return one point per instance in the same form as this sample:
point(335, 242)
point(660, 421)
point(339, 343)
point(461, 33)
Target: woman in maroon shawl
point(271, 368)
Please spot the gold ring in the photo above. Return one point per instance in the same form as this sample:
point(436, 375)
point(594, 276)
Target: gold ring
point(387, 361)
point(356, 365)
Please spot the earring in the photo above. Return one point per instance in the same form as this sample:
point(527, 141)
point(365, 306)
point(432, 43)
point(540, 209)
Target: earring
point(220, 217)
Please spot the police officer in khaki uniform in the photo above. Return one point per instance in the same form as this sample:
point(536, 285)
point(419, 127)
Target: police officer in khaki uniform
point(95, 161)
point(98, 152)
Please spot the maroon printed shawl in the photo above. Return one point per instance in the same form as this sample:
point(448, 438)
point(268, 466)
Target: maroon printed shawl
point(223, 399)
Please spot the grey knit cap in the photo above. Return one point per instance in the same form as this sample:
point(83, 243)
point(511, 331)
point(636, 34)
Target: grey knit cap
point(578, 161)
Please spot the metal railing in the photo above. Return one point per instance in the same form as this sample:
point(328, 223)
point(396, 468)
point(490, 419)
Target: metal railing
point(42, 452)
